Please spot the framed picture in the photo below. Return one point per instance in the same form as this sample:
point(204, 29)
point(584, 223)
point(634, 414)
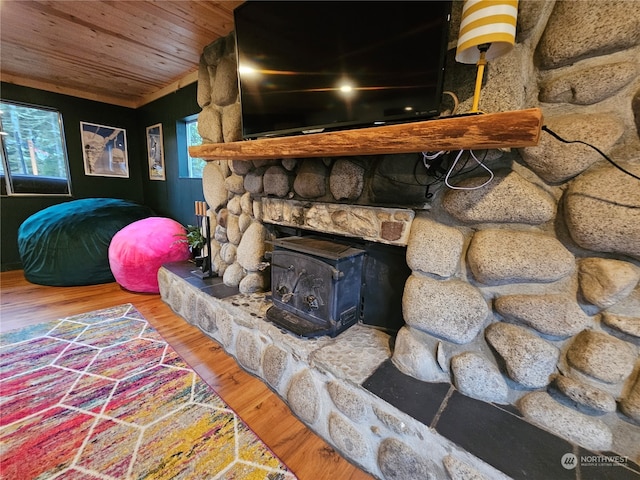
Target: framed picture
point(155, 152)
point(104, 150)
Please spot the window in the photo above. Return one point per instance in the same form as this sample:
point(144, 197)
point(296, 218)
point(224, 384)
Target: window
point(194, 166)
point(34, 156)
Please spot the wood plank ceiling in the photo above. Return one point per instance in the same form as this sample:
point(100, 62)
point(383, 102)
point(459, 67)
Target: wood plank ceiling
point(121, 52)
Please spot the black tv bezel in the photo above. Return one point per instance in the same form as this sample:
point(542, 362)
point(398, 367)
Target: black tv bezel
point(354, 124)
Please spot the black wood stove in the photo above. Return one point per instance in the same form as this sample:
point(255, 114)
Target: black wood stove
point(316, 285)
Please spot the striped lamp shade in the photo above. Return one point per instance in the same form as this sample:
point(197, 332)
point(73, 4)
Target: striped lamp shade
point(486, 22)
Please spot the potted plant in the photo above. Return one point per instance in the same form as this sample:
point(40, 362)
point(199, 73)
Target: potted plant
point(194, 239)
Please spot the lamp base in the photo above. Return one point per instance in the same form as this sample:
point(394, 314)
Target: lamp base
point(482, 61)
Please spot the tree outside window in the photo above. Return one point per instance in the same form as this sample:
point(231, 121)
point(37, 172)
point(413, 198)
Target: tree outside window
point(34, 155)
point(195, 165)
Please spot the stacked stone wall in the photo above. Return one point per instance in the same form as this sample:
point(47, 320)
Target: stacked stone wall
point(550, 245)
point(525, 291)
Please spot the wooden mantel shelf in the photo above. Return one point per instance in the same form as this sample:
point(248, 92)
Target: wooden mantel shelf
point(519, 128)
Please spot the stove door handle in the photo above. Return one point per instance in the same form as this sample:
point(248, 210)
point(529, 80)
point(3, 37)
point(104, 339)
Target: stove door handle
point(311, 302)
point(286, 298)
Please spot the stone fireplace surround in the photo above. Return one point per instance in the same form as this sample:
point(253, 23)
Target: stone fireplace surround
point(347, 390)
point(523, 307)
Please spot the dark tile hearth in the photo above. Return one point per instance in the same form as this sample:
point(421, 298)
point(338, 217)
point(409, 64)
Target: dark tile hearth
point(492, 433)
point(418, 399)
point(503, 440)
point(595, 466)
point(210, 285)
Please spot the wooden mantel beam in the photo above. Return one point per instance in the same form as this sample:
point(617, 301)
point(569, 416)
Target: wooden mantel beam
point(515, 129)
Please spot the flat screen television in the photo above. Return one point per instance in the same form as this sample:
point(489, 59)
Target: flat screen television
point(308, 66)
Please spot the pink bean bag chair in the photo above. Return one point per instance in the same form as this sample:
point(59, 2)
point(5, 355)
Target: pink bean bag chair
point(137, 252)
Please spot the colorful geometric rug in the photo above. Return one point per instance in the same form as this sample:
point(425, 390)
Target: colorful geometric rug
point(102, 395)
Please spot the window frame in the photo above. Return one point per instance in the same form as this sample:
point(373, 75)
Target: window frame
point(185, 170)
point(8, 187)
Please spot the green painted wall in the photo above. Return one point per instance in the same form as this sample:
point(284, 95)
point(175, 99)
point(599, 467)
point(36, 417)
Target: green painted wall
point(175, 197)
point(171, 198)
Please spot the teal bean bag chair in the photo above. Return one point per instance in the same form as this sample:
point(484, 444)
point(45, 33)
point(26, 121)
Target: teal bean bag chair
point(68, 244)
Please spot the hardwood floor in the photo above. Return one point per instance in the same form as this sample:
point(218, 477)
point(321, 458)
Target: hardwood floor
point(309, 457)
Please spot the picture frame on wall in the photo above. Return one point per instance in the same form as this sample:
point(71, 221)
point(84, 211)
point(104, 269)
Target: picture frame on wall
point(155, 152)
point(104, 150)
